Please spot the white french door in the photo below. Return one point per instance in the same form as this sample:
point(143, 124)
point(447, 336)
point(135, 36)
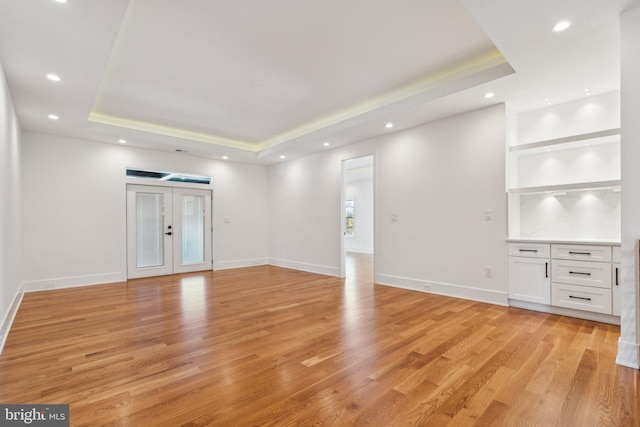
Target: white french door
point(168, 230)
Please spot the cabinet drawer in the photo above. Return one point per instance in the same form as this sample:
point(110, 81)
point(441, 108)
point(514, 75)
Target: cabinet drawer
point(581, 273)
point(581, 297)
point(582, 252)
point(532, 250)
point(616, 254)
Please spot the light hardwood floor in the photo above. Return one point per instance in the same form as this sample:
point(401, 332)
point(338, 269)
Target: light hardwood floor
point(270, 346)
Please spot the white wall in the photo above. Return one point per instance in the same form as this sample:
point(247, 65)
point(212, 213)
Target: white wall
point(305, 213)
point(628, 346)
point(439, 178)
point(10, 218)
point(74, 206)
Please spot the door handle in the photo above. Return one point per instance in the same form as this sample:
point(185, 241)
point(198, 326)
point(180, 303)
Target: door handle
point(546, 270)
point(168, 233)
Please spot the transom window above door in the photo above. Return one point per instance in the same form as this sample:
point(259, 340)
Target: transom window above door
point(168, 176)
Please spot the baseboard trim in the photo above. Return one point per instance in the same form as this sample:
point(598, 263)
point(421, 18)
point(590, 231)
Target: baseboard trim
point(73, 282)
point(445, 289)
point(628, 354)
point(5, 327)
point(562, 311)
point(310, 268)
point(239, 263)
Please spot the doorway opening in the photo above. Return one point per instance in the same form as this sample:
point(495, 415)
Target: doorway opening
point(358, 219)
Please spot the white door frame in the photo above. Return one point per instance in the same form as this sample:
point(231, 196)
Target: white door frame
point(343, 253)
point(172, 228)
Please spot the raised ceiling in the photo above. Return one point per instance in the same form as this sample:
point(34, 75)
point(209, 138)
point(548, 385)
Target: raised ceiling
point(255, 79)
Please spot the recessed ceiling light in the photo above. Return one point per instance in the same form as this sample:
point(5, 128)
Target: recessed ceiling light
point(561, 26)
point(489, 95)
point(53, 117)
point(225, 157)
point(53, 77)
point(326, 144)
point(122, 141)
point(283, 157)
point(389, 125)
point(60, 1)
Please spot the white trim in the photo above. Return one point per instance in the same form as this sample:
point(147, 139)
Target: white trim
point(446, 289)
point(239, 263)
point(563, 311)
point(5, 326)
point(628, 354)
point(74, 282)
point(311, 268)
point(173, 184)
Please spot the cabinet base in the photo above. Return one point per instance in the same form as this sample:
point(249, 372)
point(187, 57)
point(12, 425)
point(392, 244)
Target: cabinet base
point(562, 311)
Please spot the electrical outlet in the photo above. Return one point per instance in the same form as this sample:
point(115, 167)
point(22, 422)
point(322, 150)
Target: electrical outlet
point(488, 272)
point(426, 287)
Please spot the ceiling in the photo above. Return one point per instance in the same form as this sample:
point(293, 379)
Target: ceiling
point(256, 80)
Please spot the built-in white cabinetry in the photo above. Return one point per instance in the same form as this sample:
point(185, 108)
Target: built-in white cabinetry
point(615, 281)
point(579, 277)
point(529, 272)
point(566, 188)
point(563, 186)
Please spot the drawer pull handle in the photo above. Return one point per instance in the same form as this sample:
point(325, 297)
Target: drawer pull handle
point(582, 298)
point(528, 250)
point(617, 282)
point(579, 272)
point(579, 253)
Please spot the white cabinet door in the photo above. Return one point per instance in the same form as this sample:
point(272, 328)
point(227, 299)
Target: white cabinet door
point(529, 280)
point(615, 294)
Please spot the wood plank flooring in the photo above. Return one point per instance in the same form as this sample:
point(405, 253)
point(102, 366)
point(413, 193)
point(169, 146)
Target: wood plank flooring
point(277, 347)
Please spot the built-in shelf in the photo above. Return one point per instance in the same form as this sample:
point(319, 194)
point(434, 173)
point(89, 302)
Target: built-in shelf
point(566, 140)
point(567, 187)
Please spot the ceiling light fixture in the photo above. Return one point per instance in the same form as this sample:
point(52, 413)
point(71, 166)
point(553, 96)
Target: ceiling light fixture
point(54, 77)
point(283, 157)
point(53, 117)
point(326, 144)
point(561, 26)
point(489, 95)
point(389, 125)
point(225, 157)
point(122, 141)
point(60, 1)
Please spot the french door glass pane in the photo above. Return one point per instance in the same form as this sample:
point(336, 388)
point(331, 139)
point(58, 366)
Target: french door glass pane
point(149, 230)
point(192, 229)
